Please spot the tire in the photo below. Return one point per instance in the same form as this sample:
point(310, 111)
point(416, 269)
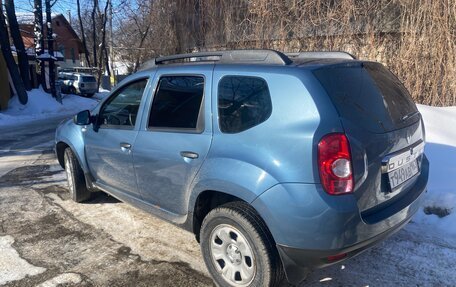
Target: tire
point(72, 90)
point(238, 249)
point(75, 176)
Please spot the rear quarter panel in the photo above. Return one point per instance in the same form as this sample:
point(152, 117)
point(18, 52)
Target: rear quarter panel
point(279, 150)
point(284, 145)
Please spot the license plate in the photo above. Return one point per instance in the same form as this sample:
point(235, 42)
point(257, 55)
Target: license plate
point(402, 174)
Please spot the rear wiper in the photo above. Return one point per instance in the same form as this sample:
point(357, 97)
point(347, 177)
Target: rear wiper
point(409, 115)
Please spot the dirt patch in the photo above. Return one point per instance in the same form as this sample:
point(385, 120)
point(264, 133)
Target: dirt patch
point(27, 175)
point(49, 236)
point(51, 227)
point(436, 210)
point(61, 191)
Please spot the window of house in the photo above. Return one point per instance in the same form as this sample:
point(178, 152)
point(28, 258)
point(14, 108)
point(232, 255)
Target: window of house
point(73, 55)
point(177, 103)
point(243, 102)
point(62, 50)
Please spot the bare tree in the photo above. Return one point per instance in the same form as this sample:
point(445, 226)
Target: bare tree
point(94, 32)
point(81, 26)
point(10, 63)
point(103, 52)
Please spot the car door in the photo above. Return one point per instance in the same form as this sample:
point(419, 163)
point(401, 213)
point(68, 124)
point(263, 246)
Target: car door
point(175, 138)
point(108, 145)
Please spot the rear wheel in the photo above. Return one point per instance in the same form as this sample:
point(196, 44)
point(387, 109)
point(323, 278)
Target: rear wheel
point(75, 176)
point(72, 90)
point(238, 249)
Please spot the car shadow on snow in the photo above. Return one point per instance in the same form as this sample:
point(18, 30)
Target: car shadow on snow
point(100, 197)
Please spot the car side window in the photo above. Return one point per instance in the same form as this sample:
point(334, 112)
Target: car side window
point(121, 109)
point(243, 102)
point(177, 104)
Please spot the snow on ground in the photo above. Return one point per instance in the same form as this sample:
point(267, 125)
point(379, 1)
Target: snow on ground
point(440, 124)
point(42, 106)
point(12, 266)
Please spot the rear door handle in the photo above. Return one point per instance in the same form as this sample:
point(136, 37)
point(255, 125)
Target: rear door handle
point(125, 146)
point(189, 154)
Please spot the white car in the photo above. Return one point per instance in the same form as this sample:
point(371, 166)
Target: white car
point(78, 84)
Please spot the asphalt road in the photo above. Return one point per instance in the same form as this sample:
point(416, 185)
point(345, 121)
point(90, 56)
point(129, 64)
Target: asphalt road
point(47, 240)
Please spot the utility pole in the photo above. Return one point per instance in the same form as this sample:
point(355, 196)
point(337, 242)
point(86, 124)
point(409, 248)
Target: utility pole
point(50, 44)
point(39, 39)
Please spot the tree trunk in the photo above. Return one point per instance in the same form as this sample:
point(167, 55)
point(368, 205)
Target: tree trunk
point(50, 43)
point(94, 33)
point(84, 43)
point(103, 42)
point(39, 39)
point(108, 67)
point(10, 63)
point(18, 43)
point(141, 44)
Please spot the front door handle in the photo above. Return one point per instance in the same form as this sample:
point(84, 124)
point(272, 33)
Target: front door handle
point(125, 147)
point(189, 154)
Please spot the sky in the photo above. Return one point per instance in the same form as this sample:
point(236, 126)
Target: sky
point(61, 6)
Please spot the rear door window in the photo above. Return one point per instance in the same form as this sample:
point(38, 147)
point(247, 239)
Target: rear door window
point(243, 102)
point(368, 94)
point(177, 104)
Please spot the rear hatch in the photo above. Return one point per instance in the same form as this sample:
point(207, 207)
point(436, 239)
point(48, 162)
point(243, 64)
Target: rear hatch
point(89, 82)
point(383, 126)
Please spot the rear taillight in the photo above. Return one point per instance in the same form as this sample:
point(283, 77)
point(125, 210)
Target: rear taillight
point(334, 163)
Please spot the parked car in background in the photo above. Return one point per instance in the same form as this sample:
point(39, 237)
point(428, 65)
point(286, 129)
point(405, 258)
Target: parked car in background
point(78, 84)
point(278, 164)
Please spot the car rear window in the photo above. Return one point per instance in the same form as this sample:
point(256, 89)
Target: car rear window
point(369, 95)
point(88, 79)
point(243, 102)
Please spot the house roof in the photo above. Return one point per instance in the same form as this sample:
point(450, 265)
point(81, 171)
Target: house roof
point(27, 18)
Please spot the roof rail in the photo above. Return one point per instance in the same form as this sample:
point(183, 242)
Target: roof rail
point(225, 57)
point(322, 55)
point(256, 56)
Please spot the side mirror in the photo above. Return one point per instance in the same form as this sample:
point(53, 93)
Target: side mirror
point(82, 118)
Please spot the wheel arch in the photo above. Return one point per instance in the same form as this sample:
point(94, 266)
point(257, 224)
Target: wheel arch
point(60, 149)
point(208, 200)
point(59, 152)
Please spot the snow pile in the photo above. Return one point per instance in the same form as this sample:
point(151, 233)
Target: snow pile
point(440, 202)
point(41, 106)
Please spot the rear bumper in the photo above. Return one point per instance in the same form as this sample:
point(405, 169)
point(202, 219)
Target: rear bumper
point(299, 262)
point(309, 225)
point(87, 91)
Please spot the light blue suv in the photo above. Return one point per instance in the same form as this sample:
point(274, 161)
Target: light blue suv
point(277, 163)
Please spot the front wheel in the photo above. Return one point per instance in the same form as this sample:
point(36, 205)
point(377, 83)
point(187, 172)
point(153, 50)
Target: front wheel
point(238, 249)
point(75, 176)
